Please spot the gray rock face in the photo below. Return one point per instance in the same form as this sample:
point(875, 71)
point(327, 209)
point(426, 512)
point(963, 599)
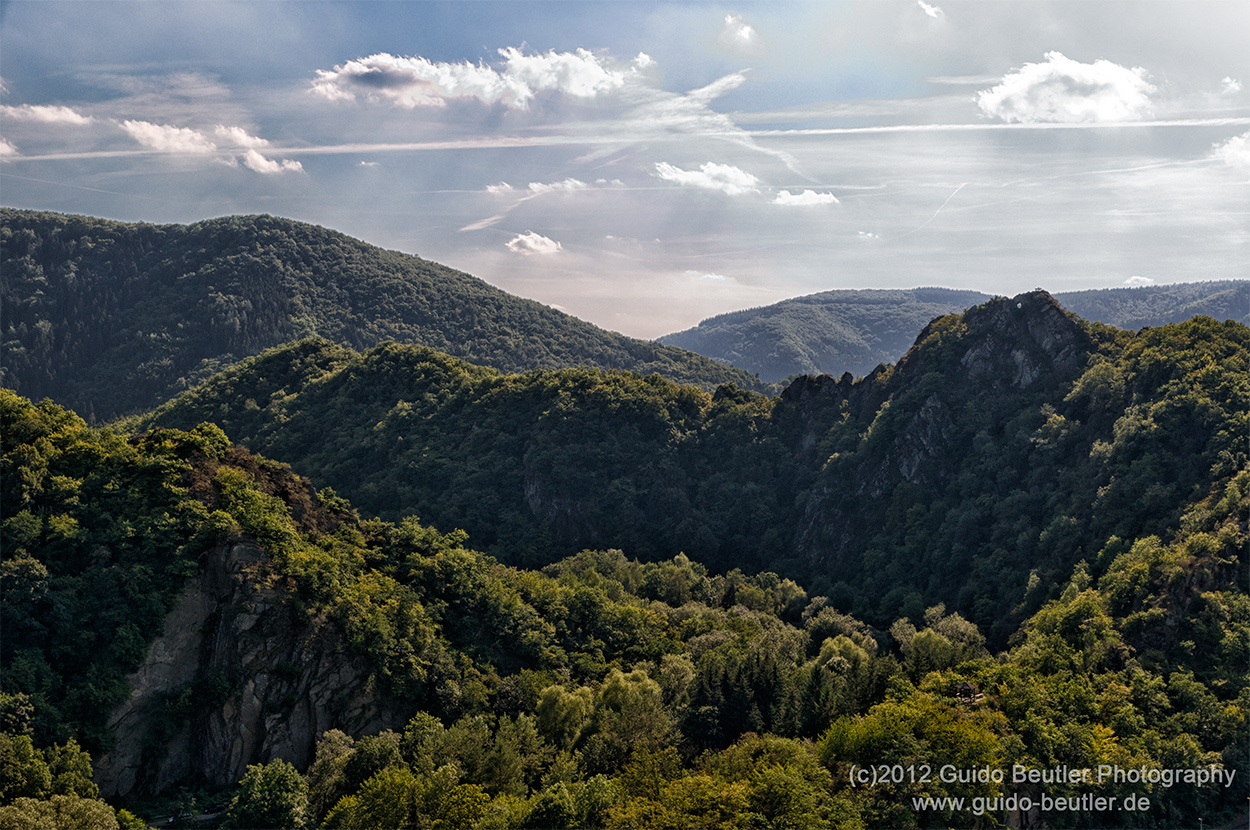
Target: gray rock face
point(1021, 340)
point(237, 677)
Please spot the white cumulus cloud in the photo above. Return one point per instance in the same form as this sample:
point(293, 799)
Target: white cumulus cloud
point(867, 236)
point(45, 114)
point(807, 198)
point(1063, 90)
point(169, 139)
point(932, 11)
point(419, 82)
point(190, 142)
point(7, 149)
point(711, 176)
point(1230, 86)
point(1235, 152)
point(1138, 280)
point(530, 243)
point(238, 137)
point(579, 73)
point(567, 184)
point(740, 37)
point(255, 161)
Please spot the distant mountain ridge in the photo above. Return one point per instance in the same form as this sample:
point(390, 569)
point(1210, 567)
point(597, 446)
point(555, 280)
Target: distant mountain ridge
point(856, 330)
point(110, 318)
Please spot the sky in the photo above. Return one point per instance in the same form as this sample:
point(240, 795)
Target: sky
point(646, 165)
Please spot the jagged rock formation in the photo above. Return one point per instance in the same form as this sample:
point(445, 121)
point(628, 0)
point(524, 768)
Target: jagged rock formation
point(236, 678)
point(1026, 344)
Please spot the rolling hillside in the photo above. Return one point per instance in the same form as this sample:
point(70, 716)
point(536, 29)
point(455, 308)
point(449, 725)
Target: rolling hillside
point(854, 331)
point(111, 318)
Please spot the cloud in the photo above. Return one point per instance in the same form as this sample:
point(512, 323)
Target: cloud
point(188, 142)
point(1230, 86)
point(866, 236)
point(1065, 91)
point(1235, 152)
point(167, 139)
point(567, 184)
point(805, 199)
point(1136, 280)
point(932, 11)
point(502, 187)
point(419, 82)
point(530, 243)
point(712, 278)
point(578, 74)
point(7, 150)
point(238, 137)
point(711, 176)
point(255, 161)
point(45, 114)
point(740, 37)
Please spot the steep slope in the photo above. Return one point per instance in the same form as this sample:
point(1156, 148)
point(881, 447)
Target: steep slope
point(1009, 443)
point(854, 331)
point(112, 318)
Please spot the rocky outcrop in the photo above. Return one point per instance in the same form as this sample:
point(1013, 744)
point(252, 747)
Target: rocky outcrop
point(1017, 342)
point(1005, 350)
point(237, 677)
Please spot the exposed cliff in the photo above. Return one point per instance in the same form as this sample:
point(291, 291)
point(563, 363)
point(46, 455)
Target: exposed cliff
point(237, 677)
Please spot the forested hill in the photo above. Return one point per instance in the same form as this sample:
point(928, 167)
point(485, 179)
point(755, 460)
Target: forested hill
point(830, 332)
point(111, 318)
point(1009, 444)
point(181, 616)
point(854, 331)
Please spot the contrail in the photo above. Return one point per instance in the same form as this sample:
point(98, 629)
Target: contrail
point(931, 218)
point(6, 174)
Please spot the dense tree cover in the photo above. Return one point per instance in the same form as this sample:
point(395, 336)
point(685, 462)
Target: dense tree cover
point(49, 787)
point(1009, 444)
point(854, 331)
point(1048, 473)
point(599, 457)
point(1159, 305)
point(110, 318)
point(601, 691)
point(98, 534)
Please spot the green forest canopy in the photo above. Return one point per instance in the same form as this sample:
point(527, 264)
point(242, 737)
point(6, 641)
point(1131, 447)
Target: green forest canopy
point(587, 693)
point(1009, 444)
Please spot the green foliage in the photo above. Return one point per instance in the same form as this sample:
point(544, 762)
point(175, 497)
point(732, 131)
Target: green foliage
point(50, 788)
point(112, 318)
point(59, 811)
point(272, 795)
point(1095, 523)
point(980, 478)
